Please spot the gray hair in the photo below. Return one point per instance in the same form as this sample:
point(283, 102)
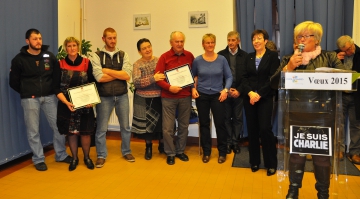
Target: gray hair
point(341, 42)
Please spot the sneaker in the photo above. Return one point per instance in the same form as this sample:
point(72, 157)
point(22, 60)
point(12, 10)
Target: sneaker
point(129, 158)
point(41, 166)
point(67, 160)
point(100, 162)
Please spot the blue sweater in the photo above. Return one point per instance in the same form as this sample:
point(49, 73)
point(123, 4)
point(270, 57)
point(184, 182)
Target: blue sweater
point(211, 75)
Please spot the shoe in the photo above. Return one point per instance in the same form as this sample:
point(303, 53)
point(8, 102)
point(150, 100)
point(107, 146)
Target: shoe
point(340, 156)
point(170, 160)
point(205, 158)
point(129, 158)
point(89, 163)
point(100, 162)
point(221, 159)
point(254, 168)
point(236, 149)
point(41, 166)
point(67, 160)
point(73, 165)
point(355, 159)
point(270, 171)
point(148, 151)
point(182, 157)
point(228, 149)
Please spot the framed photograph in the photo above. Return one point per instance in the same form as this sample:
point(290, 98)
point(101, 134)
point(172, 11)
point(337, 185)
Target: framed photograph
point(142, 21)
point(198, 19)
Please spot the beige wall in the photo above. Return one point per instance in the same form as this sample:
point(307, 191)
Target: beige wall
point(69, 19)
point(356, 25)
point(166, 16)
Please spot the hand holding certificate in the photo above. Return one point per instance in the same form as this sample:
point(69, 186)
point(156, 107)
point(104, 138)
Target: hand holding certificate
point(180, 76)
point(83, 95)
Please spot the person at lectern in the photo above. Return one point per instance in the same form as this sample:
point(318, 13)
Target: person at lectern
point(309, 34)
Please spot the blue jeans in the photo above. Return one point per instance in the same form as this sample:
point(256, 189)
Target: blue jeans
point(103, 111)
point(48, 105)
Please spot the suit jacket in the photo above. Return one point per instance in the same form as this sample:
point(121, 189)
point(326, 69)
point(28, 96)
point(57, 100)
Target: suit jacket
point(356, 67)
point(259, 80)
point(240, 63)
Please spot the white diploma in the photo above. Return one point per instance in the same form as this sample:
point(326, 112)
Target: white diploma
point(180, 76)
point(83, 95)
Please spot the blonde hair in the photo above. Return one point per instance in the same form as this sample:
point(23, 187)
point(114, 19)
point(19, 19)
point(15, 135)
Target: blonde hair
point(209, 35)
point(72, 39)
point(315, 28)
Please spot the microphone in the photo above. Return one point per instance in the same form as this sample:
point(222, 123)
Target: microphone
point(301, 47)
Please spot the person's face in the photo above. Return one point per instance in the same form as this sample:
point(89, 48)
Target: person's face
point(348, 49)
point(34, 41)
point(259, 42)
point(177, 43)
point(209, 44)
point(72, 48)
point(308, 39)
point(110, 40)
point(233, 42)
point(146, 50)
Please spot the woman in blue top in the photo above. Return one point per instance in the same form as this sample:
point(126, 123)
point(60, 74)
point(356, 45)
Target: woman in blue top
point(210, 70)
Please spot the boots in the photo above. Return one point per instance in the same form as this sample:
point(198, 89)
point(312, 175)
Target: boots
point(296, 173)
point(322, 176)
point(148, 151)
point(161, 147)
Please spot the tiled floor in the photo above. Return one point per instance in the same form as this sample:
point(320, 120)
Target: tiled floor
point(156, 179)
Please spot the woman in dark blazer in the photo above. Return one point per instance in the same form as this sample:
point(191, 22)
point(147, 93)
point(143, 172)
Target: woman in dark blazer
point(258, 101)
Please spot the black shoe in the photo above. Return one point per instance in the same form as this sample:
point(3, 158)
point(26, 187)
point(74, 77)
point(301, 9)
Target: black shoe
point(182, 157)
point(254, 168)
point(221, 159)
point(148, 151)
point(270, 171)
point(41, 166)
point(73, 165)
point(170, 160)
point(89, 163)
point(67, 160)
point(228, 149)
point(206, 158)
point(236, 149)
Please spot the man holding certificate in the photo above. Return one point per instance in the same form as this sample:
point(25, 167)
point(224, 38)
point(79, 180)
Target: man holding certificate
point(111, 69)
point(175, 97)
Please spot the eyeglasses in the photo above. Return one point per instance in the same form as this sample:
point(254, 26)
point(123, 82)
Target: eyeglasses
point(299, 37)
point(348, 49)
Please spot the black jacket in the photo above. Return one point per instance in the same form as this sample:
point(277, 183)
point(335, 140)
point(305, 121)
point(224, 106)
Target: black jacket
point(356, 67)
point(259, 80)
point(240, 63)
point(32, 75)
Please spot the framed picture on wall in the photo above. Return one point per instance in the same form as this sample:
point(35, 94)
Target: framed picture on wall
point(198, 19)
point(142, 21)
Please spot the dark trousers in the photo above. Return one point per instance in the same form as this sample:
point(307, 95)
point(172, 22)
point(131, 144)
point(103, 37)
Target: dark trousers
point(204, 104)
point(258, 118)
point(234, 119)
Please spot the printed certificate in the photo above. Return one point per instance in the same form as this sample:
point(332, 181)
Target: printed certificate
point(83, 95)
point(180, 76)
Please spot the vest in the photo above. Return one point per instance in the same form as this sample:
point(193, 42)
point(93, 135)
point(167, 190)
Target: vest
point(116, 87)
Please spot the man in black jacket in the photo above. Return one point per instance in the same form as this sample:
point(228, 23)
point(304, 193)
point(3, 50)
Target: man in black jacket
point(234, 103)
point(31, 75)
point(349, 54)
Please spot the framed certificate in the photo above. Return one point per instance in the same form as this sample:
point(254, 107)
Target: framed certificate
point(180, 76)
point(83, 95)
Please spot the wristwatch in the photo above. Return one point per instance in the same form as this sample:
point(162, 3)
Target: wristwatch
point(226, 90)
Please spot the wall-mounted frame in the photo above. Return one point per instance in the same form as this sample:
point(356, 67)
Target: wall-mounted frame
point(142, 21)
point(198, 19)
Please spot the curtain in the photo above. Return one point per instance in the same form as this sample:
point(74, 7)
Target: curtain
point(16, 17)
point(335, 16)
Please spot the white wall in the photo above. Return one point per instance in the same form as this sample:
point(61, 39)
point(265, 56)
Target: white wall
point(166, 16)
point(68, 19)
point(356, 25)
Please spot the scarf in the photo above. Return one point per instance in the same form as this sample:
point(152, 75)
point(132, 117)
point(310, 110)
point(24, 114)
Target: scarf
point(307, 56)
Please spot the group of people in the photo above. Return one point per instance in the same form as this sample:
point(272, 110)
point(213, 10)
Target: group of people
point(225, 83)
